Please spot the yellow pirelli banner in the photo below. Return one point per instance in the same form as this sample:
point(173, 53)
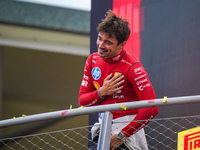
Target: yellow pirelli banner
point(189, 139)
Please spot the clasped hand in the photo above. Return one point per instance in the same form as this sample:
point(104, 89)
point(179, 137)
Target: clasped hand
point(111, 84)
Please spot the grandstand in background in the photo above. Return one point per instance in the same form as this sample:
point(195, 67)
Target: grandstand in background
point(42, 54)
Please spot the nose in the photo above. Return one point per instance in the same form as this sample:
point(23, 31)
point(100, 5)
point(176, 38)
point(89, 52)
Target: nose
point(101, 45)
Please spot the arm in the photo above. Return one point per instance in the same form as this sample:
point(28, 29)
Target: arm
point(138, 78)
point(88, 95)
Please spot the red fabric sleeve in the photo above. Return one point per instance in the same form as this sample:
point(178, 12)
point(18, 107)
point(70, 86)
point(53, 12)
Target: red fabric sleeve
point(88, 95)
point(138, 78)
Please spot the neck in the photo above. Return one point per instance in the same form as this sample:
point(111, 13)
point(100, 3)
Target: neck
point(115, 58)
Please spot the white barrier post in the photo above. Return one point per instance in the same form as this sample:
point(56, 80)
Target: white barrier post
point(105, 132)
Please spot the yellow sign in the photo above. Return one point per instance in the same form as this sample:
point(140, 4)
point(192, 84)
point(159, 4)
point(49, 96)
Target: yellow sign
point(189, 139)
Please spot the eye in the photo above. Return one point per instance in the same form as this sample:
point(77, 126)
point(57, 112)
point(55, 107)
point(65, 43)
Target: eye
point(108, 42)
point(99, 38)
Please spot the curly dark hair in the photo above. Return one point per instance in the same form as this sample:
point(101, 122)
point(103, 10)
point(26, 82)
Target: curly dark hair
point(113, 24)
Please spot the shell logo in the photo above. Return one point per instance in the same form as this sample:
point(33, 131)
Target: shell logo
point(96, 85)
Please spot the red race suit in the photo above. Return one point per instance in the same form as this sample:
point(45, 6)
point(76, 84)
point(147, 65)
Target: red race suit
point(136, 87)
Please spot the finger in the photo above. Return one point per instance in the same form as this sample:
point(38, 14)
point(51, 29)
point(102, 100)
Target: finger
point(119, 83)
point(116, 76)
point(108, 77)
point(116, 79)
point(114, 147)
point(117, 89)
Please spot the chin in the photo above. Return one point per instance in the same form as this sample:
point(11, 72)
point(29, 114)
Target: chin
point(101, 55)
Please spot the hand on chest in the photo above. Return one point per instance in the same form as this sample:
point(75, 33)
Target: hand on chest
point(100, 73)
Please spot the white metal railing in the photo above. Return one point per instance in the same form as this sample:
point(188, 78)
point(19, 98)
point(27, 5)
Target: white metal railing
point(160, 133)
point(98, 109)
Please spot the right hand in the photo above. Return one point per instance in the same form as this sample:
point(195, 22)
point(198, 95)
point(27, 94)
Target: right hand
point(111, 84)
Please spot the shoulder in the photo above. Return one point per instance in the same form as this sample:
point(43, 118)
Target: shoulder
point(129, 59)
point(134, 64)
point(91, 57)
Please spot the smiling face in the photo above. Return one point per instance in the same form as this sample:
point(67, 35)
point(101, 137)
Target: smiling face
point(108, 45)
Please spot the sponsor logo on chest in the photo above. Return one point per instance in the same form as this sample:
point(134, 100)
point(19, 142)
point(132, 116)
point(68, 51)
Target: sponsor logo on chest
point(96, 73)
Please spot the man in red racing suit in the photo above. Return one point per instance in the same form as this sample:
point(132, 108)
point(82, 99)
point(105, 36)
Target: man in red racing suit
point(130, 81)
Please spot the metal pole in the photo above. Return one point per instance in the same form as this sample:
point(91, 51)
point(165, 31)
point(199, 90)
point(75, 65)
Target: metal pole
point(105, 132)
point(98, 109)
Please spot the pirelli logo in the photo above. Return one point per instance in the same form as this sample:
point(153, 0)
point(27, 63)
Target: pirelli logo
point(189, 139)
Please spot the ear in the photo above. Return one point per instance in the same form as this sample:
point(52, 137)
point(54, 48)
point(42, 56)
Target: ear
point(122, 44)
